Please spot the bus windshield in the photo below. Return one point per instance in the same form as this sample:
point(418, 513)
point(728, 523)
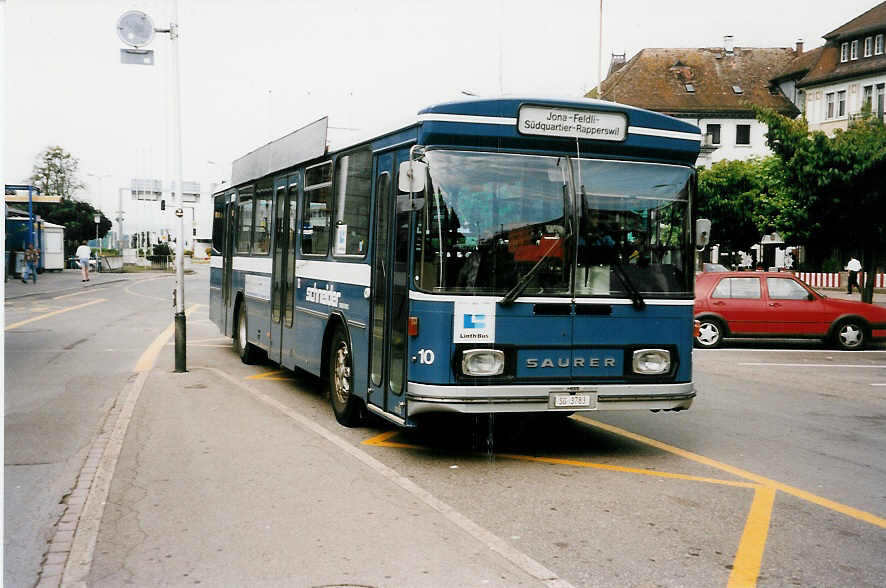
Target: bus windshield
point(488, 218)
point(634, 227)
point(492, 219)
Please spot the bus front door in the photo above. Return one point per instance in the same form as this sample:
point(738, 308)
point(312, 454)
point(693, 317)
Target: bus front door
point(278, 271)
point(228, 261)
point(389, 292)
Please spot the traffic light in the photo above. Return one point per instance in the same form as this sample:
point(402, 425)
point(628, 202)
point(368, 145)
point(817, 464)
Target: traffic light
point(162, 205)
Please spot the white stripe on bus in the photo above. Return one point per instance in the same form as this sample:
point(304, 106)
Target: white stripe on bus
point(334, 271)
point(253, 264)
point(330, 271)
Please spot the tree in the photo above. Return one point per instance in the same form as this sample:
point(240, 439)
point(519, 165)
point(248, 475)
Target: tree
point(727, 194)
point(743, 198)
point(837, 181)
point(55, 174)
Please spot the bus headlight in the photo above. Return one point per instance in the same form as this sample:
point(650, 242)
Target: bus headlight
point(652, 361)
point(482, 362)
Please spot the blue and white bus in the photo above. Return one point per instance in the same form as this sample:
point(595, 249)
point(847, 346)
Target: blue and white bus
point(493, 255)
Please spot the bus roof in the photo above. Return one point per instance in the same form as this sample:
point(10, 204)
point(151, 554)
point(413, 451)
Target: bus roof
point(591, 127)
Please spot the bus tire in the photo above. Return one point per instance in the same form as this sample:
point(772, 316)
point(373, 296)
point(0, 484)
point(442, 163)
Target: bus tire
point(348, 409)
point(247, 351)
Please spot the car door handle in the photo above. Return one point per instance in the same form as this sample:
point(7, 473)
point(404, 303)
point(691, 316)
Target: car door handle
point(774, 304)
point(718, 303)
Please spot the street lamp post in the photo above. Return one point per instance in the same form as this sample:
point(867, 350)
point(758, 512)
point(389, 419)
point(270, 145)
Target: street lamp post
point(136, 29)
point(97, 218)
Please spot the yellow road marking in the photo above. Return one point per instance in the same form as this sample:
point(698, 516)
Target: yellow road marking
point(147, 359)
point(808, 496)
point(270, 376)
point(382, 441)
point(53, 313)
point(749, 556)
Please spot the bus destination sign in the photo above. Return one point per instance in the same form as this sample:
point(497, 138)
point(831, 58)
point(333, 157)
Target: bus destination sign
point(579, 124)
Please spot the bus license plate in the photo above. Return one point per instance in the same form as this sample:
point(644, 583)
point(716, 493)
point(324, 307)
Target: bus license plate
point(586, 400)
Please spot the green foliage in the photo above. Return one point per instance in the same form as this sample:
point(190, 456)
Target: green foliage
point(162, 249)
point(741, 198)
point(838, 181)
point(78, 219)
point(55, 173)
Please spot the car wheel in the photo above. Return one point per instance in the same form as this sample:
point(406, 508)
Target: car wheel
point(710, 333)
point(246, 350)
point(348, 409)
point(850, 335)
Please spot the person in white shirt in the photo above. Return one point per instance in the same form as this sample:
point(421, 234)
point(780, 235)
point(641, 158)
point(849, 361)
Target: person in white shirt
point(82, 255)
point(854, 266)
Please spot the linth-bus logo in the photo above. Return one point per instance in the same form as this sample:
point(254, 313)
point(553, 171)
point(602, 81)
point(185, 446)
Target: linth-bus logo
point(473, 322)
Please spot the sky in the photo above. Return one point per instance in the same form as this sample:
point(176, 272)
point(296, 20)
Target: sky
point(255, 70)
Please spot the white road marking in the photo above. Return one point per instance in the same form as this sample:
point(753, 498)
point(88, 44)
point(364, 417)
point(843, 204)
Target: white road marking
point(828, 351)
point(812, 365)
point(484, 536)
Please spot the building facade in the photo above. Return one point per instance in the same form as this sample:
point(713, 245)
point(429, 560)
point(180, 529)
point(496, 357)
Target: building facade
point(847, 77)
point(715, 88)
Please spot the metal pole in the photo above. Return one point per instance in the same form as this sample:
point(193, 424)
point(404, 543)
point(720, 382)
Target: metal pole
point(600, 56)
point(180, 324)
point(30, 216)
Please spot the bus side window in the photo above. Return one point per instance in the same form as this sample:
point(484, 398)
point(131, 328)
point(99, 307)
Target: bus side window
point(244, 231)
point(352, 191)
point(316, 209)
point(261, 242)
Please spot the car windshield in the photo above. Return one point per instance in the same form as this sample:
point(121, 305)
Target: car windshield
point(509, 224)
point(488, 219)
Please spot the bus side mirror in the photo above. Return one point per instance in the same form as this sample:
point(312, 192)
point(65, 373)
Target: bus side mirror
point(702, 232)
point(412, 176)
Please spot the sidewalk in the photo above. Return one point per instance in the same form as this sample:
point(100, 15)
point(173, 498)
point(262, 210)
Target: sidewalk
point(879, 295)
point(59, 283)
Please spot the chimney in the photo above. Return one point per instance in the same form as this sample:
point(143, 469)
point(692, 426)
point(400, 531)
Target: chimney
point(799, 48)
point(728, 44)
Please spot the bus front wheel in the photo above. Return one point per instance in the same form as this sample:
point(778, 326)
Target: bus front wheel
point(347, 408)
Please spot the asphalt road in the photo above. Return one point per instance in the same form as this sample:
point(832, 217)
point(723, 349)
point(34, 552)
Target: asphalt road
point(69, 348)
point(239, 475)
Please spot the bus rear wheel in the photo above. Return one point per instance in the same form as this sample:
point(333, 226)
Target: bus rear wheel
point(247, 351)
point(348, 409)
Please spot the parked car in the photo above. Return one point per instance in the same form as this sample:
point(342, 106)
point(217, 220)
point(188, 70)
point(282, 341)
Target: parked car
point(774, 304)
point(713, 267)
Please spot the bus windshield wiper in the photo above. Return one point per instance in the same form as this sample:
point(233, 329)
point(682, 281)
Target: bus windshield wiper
point(521, 284)
point(518, 288)
point(634, 294)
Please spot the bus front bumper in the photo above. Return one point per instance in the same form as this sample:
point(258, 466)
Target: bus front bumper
point(426, 398)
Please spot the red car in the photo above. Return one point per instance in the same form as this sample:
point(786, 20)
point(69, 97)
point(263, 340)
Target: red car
point(772, 304)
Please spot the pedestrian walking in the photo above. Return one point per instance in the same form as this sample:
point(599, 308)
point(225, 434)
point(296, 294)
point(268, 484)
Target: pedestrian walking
point(82, 254)
point(854, 266)
point(32, 256)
